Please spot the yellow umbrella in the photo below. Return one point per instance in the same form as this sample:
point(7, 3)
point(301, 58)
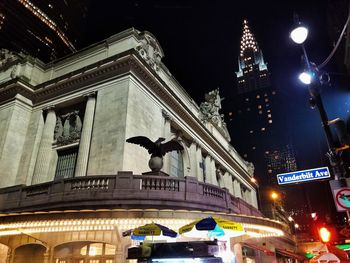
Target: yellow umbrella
point(150, 230)
point(212, 227)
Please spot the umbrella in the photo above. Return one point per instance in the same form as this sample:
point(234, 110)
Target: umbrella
point(149, 230)
point(212, 227)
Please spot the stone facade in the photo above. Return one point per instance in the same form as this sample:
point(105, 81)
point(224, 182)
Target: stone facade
point(64, 129)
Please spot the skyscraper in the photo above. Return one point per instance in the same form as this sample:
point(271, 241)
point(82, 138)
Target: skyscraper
point(252, 115)
point(255, 116)
point(43, 29)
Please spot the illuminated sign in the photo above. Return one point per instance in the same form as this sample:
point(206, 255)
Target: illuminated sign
point(303, 176)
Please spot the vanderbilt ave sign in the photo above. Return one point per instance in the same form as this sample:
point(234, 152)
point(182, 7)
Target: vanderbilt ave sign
point(303, 176)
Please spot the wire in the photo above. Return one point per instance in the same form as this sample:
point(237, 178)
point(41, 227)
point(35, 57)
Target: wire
point(324, 63)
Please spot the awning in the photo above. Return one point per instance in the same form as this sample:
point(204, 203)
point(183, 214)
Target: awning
point(290, 254)
point(260, 248)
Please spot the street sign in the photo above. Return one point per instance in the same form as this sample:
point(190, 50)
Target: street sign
point(342, 199)
point(303, 176)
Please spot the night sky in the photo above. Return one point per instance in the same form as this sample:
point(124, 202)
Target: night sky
point(201, 40)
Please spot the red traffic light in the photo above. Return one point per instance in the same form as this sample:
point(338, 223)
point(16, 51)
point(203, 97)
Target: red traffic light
point(325, 234)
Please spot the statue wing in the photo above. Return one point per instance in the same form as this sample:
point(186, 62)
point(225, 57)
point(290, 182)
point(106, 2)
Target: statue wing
point(170, 146)
point(144, 142)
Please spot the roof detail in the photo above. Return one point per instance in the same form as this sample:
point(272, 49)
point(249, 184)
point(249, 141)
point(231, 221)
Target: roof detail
point(250, 53)
point(248, 39)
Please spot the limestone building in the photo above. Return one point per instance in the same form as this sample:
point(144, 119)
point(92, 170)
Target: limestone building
point(70, 184)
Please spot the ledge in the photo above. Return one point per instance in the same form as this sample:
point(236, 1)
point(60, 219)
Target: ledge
point(124, 190)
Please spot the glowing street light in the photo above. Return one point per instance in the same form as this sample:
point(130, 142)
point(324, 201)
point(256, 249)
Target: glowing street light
point(299, 34)
point(305, 78)
point(274, 196)
point(314, 81)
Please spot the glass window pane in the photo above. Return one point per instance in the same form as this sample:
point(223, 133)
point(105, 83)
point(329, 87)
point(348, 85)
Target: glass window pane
point(83, 250)
point(66, 163)
point(95, 249)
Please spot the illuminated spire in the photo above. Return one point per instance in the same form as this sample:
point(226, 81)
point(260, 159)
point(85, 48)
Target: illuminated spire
point(248, 39)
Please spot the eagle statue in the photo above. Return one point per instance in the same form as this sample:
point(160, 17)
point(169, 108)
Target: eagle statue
point(156, 149)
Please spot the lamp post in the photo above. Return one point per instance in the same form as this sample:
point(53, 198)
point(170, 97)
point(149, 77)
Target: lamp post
point(312, 78)
point(274, 196)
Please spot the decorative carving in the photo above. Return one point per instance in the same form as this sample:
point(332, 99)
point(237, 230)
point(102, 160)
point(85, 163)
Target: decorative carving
point(250, 168)
point(209, 112)
point(157, 149)
point(68, 128)
point(166, 115)
point(150, 50)
point(7, 59)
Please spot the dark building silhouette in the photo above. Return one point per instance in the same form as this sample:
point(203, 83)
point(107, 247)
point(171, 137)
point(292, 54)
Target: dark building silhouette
point(43, 29)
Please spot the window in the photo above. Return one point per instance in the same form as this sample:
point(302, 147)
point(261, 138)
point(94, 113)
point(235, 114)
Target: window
point(84, 252)
point(176, 164)
point(66, 163)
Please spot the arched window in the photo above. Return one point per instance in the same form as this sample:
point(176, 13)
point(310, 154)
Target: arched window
point(176, 164)
point(84, 252)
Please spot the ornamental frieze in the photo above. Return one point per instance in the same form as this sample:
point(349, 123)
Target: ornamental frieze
point(68, 128)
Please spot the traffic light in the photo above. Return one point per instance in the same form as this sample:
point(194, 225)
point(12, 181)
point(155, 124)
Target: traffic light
point(324, 234)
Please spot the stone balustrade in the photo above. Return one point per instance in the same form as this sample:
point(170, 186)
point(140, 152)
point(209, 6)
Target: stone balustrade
point(124, 190)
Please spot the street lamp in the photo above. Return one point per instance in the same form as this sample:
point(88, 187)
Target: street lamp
point(313, 80)
point(274, 196)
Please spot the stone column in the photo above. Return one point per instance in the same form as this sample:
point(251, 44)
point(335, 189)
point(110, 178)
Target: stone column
point(207, 170)
point(237, 188)
point(228, 182)
point(213, 180)
point(10, 255)
point(194, 163)
point(220, 178)
point(237, 250)
point(47, 255)
point(85, 137)
point(45, 148)
point(119, 254)
point(210, 170)
point(166, 135)
point(254, 198)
